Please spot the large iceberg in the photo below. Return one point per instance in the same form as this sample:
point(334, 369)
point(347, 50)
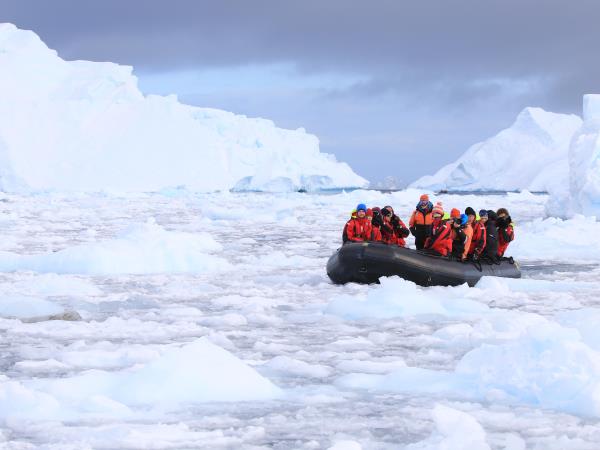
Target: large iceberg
point(581, 195)
point(531, 154)
point(81, 125)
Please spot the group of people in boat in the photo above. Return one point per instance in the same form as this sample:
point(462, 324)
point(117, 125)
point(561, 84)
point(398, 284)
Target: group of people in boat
point(463, 236)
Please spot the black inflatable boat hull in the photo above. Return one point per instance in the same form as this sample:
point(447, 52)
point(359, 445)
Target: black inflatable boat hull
point(367, 262)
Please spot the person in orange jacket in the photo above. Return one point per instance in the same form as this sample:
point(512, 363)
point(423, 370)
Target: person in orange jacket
point(440, 241)
point(421, 220)
point(506, 230)
point(468, 230)
point(478, 240)
point(358, 229)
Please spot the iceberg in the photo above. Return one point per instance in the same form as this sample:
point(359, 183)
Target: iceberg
point(531, 154)
point(581, 195)
point(85, 126)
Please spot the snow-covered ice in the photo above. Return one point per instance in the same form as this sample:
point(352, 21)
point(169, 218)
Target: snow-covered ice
point(531, 154)
point(95, 131)
point(207, 321)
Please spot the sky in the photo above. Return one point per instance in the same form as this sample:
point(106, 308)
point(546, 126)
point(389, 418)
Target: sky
point(394, 88)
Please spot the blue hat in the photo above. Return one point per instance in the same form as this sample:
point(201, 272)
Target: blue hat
point(361, 206)
point(464, 219)
point(483, 213)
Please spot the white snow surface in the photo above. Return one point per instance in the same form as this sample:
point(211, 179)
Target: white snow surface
point(85, 126)
point(531, 154)
point(257, 349)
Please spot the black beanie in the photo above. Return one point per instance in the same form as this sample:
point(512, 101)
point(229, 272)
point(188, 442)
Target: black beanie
point(470, 211)
point(492, 215)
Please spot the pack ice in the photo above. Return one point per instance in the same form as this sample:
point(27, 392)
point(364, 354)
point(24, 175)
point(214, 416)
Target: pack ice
point(85, 126)
point(531, 154)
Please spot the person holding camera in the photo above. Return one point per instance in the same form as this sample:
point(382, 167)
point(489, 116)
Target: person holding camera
point(421, 220)
point(400, 230)
point(459, 237)
point(506, 230)
point(387, 229)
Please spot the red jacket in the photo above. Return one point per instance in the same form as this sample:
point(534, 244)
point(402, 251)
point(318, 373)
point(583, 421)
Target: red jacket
point(441, 238)
point(401, 231)
point(387, 234)
point(358, 230)
point(505, 237)
point(375, 234)
point(479, 239)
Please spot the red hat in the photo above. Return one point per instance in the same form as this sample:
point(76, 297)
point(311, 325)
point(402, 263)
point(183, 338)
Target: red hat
point(369, 212)
point(438, 209)
point(424, 198)
point(454, 213)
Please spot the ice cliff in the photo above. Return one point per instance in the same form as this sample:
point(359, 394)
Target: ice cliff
point(531, 154)
point(85, 126)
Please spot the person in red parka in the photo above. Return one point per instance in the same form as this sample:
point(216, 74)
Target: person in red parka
point(440, 241)
point(359, 229)
point(387, 230)
point(400, 230)
point(506, 230)
point(478, 240)
point(375, 234)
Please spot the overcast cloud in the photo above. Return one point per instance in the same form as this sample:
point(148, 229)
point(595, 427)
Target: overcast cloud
point(393, 87)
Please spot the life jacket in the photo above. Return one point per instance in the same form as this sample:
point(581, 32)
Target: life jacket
point(358, 230)
point(421, 216)
point(440, 240)
point(479, 239)
point(505, 237)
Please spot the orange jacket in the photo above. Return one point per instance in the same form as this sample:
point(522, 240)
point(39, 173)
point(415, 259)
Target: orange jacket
point(419, 218)
point(469, 236)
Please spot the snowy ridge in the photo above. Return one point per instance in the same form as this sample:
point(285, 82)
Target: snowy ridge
point(85, 126)
point(531, 154)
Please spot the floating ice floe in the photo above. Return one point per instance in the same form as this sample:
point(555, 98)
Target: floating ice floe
point(455, 430)
point(145, 248)
point(518, 357)
point(195, 373)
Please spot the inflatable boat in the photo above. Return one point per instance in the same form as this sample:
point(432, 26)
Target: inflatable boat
point(366, 262)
